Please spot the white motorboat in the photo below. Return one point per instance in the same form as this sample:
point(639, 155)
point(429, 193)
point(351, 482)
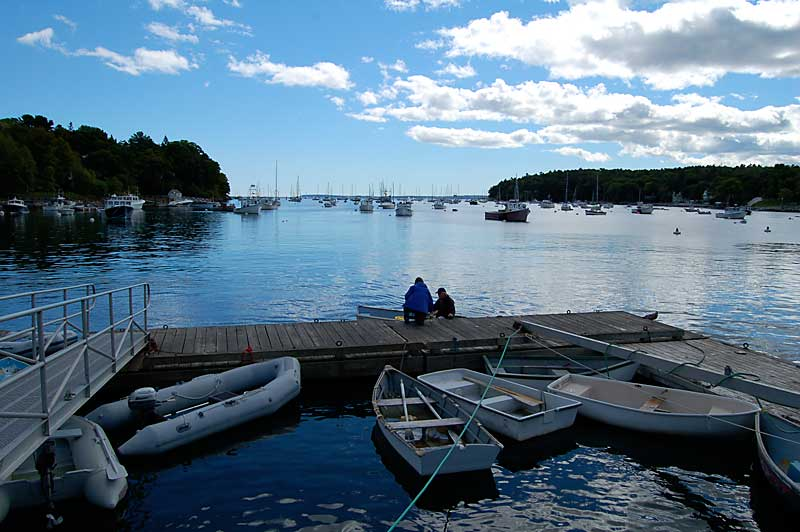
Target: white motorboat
point(421, 424)
point(566, 206)
point(404, 209)
point(732, 213)
point(656, 409)
point(180, 203)
point(539, 371)
point(85, 466)
point(122, 206)
point(778, 444)
point(15, 206)
point(280, 379)
point(510, 409)
point(439, 205)
point(251, 205)
point(642, 208)
point(546, 204)
point(366, 205)
point(594, 210)
point(386, 203)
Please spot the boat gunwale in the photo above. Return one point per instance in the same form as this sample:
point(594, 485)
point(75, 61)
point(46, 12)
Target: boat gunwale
point(763, 453)
point(591, 371)
point(755, 409)
point(502, 413)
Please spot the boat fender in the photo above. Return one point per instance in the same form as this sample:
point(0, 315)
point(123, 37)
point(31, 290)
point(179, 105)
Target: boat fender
point(142, 400)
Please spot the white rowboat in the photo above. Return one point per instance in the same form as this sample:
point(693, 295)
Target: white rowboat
point(656, 409)
point(537, 372)
point(510, 409)
point(421, 424)
point(779, 455)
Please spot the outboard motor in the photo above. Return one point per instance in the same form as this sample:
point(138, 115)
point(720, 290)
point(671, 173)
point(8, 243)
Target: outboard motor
point(45, 465)
point(142, 400)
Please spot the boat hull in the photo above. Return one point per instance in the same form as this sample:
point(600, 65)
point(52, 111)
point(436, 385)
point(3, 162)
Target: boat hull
point(610, 402)
point(250, 209)
point(552, 369)
point(772, 449)
point(556, 413)
point(119, 211)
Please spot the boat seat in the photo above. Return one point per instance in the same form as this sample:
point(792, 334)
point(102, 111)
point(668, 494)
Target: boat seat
point(67, 434)
point(575, 389)
point(559, 372)
point(222, 397)
point(425, 423)
point(399, 401)
point(456, 385)
point(652, 404)
point(496, 399)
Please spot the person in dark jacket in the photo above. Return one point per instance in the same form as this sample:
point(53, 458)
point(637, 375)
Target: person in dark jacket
point(418, 302)
point(444, 307)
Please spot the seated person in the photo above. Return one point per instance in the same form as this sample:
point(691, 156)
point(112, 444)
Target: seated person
point(444, 307)
point(418, 302)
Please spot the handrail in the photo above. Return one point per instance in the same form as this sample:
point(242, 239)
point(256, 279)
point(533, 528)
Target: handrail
point(75, 301)
point(49, 291)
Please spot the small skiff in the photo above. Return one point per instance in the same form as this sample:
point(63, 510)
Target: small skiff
point(510, 409)
point(655, 409)
point(537, 372)
point(85, 467)
point(219, 413)
point(377, 313)
point(779, 454)
point(421, 424)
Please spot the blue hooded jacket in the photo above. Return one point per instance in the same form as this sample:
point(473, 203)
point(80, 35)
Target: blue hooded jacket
point(418, 298)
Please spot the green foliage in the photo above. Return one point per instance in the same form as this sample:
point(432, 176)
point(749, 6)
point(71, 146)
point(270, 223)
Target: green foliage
point(725, 184)
point(37, 158)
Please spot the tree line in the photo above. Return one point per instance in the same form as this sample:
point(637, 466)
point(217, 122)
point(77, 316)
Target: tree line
point(779, 184)
point(38, 158)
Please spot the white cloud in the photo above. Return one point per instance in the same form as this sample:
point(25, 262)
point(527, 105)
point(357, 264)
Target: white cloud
point(158, 4)
point(367, 59)
point(142, 61)
point(592, 157)
point(679, 44)
point(323, 74)
point(368, 98)
point(473, 138)
point(338, 101)
point(66, 21)
point(233, 3)
point(459, 72)
point(690, 129)
point(430, 44)
point(43, 38)
point(203, 15)
point(171, 33)
point(411, 5)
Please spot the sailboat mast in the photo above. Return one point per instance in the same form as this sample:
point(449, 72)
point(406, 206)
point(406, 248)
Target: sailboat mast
point(276, 178)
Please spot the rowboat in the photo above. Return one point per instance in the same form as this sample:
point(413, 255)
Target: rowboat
point(510, 409)
point(779, 454)
point(537, 372)
point(378, 313)
point(422, 424)
point(656, 409)
point(84, 466)
point(219, 412)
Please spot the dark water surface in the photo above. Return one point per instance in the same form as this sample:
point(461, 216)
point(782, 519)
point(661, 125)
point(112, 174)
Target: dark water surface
point(318, 466)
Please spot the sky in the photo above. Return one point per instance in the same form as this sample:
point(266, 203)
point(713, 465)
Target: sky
point(423, 95)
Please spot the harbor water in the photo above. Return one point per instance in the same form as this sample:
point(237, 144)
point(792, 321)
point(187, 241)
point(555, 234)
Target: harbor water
point(318, 466)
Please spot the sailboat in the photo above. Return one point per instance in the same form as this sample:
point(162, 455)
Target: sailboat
point(296, 197)
point(595, 209)
point(565, 205)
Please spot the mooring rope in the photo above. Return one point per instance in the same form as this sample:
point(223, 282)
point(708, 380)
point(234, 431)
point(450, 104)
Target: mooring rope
point(457, 440)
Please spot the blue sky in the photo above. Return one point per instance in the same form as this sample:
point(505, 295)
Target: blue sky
point(456, 93)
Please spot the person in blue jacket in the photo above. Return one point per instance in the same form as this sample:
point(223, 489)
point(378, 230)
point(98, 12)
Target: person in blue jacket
point(418, 302)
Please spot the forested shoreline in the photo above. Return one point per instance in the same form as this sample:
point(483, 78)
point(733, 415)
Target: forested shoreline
point(779, 184)
point(38, 158)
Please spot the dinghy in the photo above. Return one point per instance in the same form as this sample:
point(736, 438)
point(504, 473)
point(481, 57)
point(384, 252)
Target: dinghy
point(84, 466)
point(537, 372)
point(219, 412)
point(378, 313)
point(656, 409)
point(421, 424)
point(510, 409)
point(779, 454)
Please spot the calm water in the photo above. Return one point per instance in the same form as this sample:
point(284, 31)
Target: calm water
point(316, 466)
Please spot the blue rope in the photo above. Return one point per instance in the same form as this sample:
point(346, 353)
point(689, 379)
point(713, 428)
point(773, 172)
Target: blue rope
point(455, 443)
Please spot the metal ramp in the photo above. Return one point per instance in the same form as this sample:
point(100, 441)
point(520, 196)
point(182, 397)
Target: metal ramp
point(72, 347)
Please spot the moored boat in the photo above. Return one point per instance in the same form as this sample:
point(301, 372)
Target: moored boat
point(422, 424)
point(778, 443)
point(537, 371)
point(84, 466)
point(122, 206)
point(378, 313)
point(404, 209)
point(220, 411)
point(15, 206)
point(366, 205)
point(643, 208)
point(656, 409)
point(510, 409)
point(546, 204)
point(732, 213)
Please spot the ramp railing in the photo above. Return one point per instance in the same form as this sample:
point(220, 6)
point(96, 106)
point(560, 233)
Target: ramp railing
point(65, 362)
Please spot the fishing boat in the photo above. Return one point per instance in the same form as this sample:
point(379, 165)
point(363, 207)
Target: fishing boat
point(366, 205)
point(251, 205)
point(778, 443)
point(732, 213)
point(386, 203)
point(422, 424)
point(510, 409)
point(15, 206)
point(539, 371)
point(656, 409)
point(122, 206)
point(404, 209)
point(512, 211)
point(215, 411)
point(84, 466)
